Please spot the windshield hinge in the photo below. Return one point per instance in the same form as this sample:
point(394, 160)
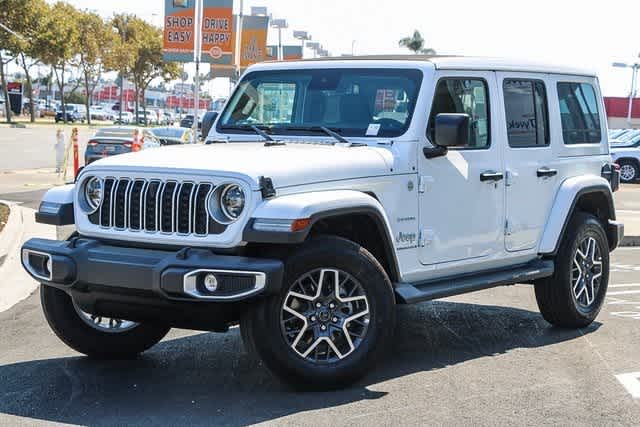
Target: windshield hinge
point(266, 187)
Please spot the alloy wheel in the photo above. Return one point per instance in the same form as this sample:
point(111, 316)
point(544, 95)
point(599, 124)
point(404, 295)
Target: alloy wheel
point(325, 315)
point(627, 172)
point(105, 324)
point(586, 272)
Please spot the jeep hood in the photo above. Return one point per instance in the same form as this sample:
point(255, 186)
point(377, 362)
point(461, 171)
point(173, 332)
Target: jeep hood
point(287, 165)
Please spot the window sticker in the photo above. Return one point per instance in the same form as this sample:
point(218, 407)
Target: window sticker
point(373, 129)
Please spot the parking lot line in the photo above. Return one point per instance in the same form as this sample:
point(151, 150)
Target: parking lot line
point(623, 292)
point(631, 382)
point(625, 285)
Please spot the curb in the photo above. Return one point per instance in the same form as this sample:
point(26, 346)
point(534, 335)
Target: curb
point(17, 284)
point(12, 231)
point(630, 241)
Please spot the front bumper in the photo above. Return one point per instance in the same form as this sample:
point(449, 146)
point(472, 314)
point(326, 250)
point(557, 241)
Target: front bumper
point(149, 284)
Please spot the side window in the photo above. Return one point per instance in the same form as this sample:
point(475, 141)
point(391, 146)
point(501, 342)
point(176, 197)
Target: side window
point(579, 113)
point(467, 96)
point(525, 104)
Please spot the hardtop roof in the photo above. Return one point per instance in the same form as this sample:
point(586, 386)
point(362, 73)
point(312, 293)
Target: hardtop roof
point(449, 62)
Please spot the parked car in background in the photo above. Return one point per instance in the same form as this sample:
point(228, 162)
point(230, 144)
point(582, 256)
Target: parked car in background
point(116, 140)
point(97, 112)
point(146, 118)
point(169, 118)
point(73, 114)
point(187, 122)
point(625, 151)
point(172, 135)
point(127, 118)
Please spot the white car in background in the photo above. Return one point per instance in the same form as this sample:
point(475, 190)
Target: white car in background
point(625, 151)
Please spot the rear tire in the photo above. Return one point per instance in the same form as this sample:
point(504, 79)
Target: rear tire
point(65, 321)
point(574, 295)
point(326, 338)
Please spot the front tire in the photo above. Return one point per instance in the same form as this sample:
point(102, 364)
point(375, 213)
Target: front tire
point(101, 341)
point(332, 321)
point(629, 171)
point(574, 295)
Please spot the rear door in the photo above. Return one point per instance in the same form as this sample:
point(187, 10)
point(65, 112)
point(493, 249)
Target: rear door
point(532, 171)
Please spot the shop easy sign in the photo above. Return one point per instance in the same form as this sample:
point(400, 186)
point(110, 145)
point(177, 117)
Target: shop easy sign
point(179, 29)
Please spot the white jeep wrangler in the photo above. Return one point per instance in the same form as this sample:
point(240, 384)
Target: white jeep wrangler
point(328, 192)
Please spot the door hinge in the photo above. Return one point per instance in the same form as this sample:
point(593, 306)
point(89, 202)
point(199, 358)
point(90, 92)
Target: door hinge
point(507, 228)
point(425, 237)
point(508, 178)
point(423, 183)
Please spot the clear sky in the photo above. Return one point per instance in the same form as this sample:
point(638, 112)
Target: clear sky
point(586, 33)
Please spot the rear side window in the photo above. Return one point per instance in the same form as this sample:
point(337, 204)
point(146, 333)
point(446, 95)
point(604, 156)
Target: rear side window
point(464, 96)
point(579, 113)
point(525, 103)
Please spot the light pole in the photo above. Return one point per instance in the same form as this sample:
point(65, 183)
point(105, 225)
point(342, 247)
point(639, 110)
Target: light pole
point(280, 24)
point(303, 36)
point(634, 79)
point(353, 48)
point(315, 46)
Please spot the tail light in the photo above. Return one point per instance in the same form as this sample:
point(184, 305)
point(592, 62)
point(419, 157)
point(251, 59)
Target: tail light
point(92, 143)
point(128, 144)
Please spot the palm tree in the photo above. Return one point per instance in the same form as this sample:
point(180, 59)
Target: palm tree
point(415, 43)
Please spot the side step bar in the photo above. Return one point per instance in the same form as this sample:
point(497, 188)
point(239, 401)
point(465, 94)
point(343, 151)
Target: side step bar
point(408, 293)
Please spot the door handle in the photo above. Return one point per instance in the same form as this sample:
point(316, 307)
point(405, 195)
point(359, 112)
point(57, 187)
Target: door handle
point(491, 176)
point(546, 172)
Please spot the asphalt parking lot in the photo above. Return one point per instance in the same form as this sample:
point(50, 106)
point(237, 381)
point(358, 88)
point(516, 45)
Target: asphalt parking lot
point(482, 359)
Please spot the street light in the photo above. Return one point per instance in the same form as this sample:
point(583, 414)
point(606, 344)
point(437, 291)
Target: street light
point(634, 78)
point(280, 24)
point(315, 46)
point(303, 36)
point(258, 11)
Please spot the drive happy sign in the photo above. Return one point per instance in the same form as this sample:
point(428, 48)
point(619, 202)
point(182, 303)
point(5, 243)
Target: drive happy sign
point(179, 30)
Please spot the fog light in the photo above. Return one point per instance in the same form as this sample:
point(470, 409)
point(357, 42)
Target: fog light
point(210, 283)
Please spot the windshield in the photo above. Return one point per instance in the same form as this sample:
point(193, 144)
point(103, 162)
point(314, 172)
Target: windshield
point(353, 102)
point(169, 132)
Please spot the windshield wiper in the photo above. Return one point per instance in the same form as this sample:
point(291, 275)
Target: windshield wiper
point(257, 130)
point(324, 129)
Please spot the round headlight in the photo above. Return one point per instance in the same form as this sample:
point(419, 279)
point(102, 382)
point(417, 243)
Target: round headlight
point(232, 201)
point(93, 193)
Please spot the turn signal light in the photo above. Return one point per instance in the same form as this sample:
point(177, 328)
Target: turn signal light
point(300, 224)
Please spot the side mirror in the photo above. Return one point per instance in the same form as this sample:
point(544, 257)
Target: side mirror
point(452, 130)
point(207, 122)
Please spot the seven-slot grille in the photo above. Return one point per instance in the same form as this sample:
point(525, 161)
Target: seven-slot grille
point(155, 205)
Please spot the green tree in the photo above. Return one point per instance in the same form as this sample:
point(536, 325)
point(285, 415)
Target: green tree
point(24, 19)
point(58, 44)
point(148, 63)
point(122, 54)
point(96, 41)
point(415, 43)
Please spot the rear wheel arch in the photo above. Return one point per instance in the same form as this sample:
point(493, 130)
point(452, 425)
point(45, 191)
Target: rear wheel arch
point(596, 200)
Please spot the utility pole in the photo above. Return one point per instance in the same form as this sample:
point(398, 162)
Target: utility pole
point(238, 47)
point(122, 71)
point(197, 56)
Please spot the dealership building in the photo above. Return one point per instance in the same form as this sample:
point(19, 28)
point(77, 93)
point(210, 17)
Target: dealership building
point(618, 112)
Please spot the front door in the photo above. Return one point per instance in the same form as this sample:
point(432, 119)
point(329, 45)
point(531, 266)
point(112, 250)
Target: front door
point(532, 174)
point(462, 198)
